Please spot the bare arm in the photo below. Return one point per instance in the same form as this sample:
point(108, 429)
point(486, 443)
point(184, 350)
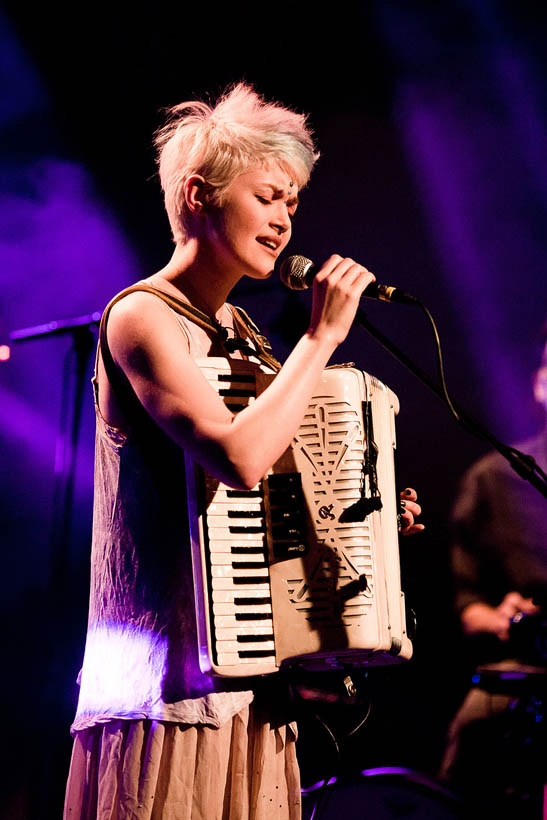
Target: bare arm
point(237, 449)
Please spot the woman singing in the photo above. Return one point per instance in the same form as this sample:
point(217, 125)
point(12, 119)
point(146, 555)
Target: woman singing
point(154, 737)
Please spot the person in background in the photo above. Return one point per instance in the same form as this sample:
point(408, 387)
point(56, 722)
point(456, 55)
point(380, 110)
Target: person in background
point(153, 736)
point(499, 562)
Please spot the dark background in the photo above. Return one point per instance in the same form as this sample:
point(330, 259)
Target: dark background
point(430, 118)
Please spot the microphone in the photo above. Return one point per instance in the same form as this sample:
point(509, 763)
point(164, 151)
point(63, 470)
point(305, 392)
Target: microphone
point(298, 273)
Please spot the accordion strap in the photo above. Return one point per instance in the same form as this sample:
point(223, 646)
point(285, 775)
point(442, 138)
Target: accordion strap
point(119, 381)
point(263, 347)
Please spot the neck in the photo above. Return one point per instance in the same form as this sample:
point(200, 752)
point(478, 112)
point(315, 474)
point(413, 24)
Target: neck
point(199, 277)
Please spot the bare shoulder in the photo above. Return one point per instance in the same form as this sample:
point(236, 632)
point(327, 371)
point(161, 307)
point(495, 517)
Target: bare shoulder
point(141, 320)
point(136, 309)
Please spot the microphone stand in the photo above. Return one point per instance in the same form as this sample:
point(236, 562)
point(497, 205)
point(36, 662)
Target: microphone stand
point(83, 342)
point(523, 464)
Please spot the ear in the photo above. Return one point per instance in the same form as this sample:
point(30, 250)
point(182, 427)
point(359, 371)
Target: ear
point(195, 194)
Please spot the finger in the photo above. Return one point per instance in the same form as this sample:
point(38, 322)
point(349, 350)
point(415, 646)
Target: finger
point(506, 609)
point(517, 600)
point(328, 268)
point(509, 609)
point(356, 275)
point(353, 283)
point(525, 604)
point(529, 607)
point(407, 523)
point(345, 274)
point(406, 520)
point(502, 627)
point(514, 604)
point(411, 507)
point(338, 269)
point(409, 494)
point(363, 280)
point(511, 604)
point(413, 529)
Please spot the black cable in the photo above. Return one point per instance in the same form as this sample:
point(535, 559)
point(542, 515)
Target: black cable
point(522, 463)
point(440, 363)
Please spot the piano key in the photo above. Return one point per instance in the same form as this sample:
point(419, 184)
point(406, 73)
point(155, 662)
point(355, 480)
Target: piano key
point(234, 659)
point(225, 596)
point(232, 622)
point(228, 522)
point(243, 584)
point(229, 571)
point(267, 647)
point(230, 608)
point(226, 558)
point(224, 633)
point(216, 534)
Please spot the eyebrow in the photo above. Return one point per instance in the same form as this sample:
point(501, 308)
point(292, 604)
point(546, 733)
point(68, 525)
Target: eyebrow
point(292, 199)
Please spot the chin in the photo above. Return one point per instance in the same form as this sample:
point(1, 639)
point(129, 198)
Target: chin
point(253, 273)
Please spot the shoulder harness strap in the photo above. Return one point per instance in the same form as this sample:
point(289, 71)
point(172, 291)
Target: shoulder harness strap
point(120, 383)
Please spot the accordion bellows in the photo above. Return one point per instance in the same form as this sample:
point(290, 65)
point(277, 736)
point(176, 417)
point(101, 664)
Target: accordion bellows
point(304, 568)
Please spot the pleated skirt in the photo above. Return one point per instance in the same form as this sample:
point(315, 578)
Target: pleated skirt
point(155, 770)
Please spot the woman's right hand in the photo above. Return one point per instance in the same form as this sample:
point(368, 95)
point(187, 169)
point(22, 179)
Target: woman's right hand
point(337, 289)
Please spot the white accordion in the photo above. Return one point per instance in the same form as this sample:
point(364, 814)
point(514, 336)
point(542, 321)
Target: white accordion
point(304, 568)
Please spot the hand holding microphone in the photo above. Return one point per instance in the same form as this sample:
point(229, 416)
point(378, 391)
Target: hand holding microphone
point(337, 289)
point(338, 286)
point(298, 273)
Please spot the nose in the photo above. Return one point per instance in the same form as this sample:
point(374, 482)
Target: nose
point(281, 221)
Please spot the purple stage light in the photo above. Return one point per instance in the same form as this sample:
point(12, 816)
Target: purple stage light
point(62, 253)
point(476, 149)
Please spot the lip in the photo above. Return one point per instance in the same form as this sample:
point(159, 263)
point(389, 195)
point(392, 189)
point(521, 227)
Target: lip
point(273, 240)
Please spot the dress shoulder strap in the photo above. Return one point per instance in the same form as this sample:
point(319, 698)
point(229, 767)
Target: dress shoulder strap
point(119, 381)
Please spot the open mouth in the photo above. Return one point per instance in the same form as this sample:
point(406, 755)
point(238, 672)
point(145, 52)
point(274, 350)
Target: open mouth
point(268, 243)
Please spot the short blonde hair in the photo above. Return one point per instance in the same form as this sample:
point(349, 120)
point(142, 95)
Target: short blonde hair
point(222, 141)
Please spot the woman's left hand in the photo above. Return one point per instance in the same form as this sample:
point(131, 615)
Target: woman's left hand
point(410, 510)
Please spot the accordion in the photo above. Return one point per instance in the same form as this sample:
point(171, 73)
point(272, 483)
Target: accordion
point(304, 568)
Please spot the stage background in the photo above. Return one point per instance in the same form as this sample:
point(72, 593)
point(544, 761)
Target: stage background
point(431, 120)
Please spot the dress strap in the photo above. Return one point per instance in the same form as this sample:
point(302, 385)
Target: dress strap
point(119, 381)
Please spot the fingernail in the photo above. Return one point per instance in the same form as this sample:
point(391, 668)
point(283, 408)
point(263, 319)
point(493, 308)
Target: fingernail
point(408, 492)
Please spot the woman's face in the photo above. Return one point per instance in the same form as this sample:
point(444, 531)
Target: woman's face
point(253, 225)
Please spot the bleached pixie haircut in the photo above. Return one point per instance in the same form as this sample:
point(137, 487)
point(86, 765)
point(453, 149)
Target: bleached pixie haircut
point(222, 141)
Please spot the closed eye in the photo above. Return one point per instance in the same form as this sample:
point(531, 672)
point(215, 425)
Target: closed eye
point(292, 205)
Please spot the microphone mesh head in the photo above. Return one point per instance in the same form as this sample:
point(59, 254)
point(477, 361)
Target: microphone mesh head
point(293, 272)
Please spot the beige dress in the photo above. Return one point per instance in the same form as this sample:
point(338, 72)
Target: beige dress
point(154, 736)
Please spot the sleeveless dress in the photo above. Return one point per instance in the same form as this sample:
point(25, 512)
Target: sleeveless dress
point(154, 736)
